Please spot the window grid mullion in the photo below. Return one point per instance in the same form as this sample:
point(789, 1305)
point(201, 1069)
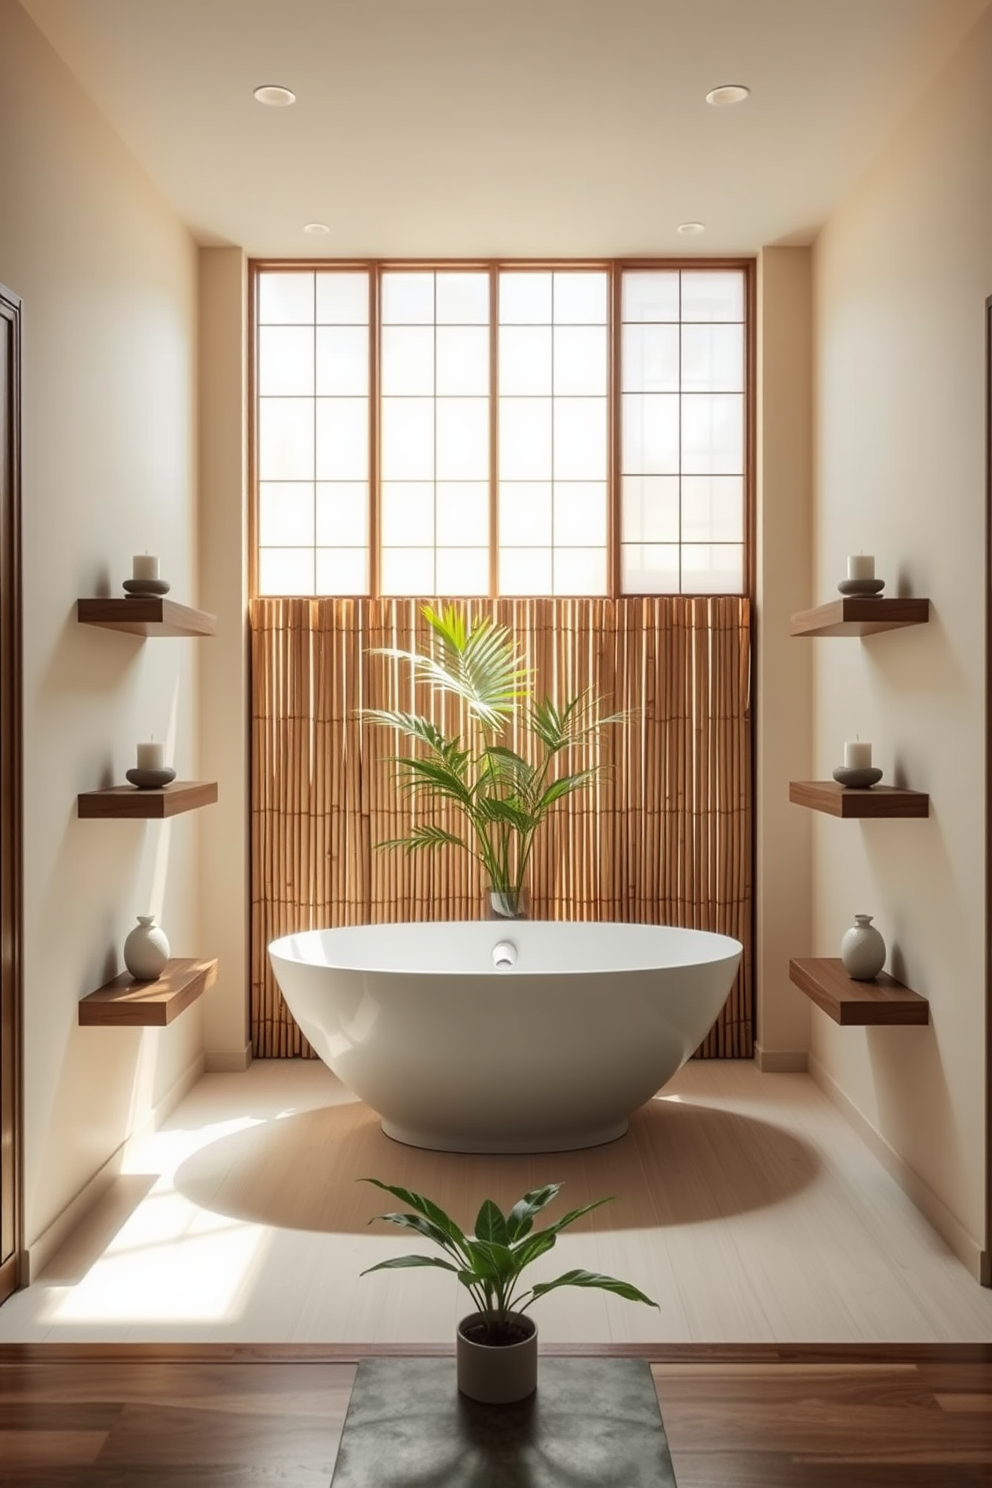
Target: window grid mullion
point(493, 431)
point(375, 430)
point(313, 507)
point(614, 389)
point(435, 410)
point(552, 412)
point(679, 435)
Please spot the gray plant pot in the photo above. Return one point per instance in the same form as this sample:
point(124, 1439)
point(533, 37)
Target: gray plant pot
point(496, 1374)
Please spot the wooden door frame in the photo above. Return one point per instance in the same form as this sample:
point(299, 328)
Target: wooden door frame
point(986, 1261)
point(11, 857)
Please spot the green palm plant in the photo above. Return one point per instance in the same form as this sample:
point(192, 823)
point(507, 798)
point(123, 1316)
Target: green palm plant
point(490, 1262)
point(502, 796)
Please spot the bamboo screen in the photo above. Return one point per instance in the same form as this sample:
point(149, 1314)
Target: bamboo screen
point(663, 837)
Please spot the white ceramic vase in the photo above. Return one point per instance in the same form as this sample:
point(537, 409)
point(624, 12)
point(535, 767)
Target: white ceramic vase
point(496, 1374)
point(146, 950)
point(862, 950)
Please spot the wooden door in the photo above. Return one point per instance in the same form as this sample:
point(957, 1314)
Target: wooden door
point(11, 1239)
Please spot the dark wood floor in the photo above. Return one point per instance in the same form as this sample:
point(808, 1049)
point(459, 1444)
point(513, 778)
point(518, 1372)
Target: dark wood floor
point(737, 1417)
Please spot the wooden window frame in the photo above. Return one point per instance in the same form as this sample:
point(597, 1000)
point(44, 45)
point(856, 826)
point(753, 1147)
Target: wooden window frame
point(615, 269)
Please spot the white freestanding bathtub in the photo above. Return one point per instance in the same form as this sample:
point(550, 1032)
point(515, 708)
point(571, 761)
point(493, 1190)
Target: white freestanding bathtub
point(512, 1036)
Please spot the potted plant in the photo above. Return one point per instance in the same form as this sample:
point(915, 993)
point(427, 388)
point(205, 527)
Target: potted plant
point(496, 1345)
point(502, 796)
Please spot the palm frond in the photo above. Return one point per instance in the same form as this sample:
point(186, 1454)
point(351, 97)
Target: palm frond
point(503, 812)
point(577, 723)
point(504, 768)
point(413, 725)
point(482, 666)
point(436, 776)
point(423, 836)
point(564, 786)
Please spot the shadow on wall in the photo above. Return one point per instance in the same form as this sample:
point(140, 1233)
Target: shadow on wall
point(679, 1163)
point(915, 1111)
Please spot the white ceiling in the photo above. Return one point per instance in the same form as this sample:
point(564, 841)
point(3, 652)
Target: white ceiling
point(504, 127)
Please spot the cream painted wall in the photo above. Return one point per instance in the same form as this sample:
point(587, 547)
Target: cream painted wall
point(901, 273)
point(783, 677)
point(224, 712)
point(107, 275)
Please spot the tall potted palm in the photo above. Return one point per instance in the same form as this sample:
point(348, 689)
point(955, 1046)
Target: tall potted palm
point(503, 797)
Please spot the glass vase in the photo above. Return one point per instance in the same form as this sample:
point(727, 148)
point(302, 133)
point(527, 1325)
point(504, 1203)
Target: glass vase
point(507, 904)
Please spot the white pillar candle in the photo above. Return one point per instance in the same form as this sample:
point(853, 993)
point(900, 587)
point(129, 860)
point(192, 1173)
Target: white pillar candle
point(857, 756)
point(859, 566)
point(144, 566)
point(151, 756)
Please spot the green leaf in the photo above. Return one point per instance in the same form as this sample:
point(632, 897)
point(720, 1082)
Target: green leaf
point(508, 813)
point(423, 836)
point(423, 1206)
point(438, 775)
point(573, 1214)
point(449, 626)
point(492, 1260)
point(565, 785)
point(490, 1224)
point(532, 1246)
point(482, 666)
point(520, 1219)
point(504, 767)
point(425, 1227)
point(593, 1279)
point(546, 722)
point(400, 1263)
point(411, 724)
point(577, 723)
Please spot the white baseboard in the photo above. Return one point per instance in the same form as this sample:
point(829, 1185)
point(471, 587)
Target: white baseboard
point(948, 1227)
point(228, 1061)
point(53, 1237)
point(780, 1061)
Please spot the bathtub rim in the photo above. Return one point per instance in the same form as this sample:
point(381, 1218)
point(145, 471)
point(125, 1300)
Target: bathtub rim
point(727, 949)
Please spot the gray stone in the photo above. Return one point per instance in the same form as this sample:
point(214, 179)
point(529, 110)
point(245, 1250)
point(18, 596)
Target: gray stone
point(592, 1423)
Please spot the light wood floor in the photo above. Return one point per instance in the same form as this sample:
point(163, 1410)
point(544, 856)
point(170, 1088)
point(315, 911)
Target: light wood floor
point(904, 1423)
point(746, 1207)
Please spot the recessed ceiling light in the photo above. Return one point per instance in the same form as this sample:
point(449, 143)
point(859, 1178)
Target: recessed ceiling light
point(727, 94)
point(690, 227)
point(316, 227)
point(274, 96)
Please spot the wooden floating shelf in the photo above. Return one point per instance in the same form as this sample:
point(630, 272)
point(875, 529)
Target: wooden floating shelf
point(860, 615)
point(125, 1003)
point(841, 800)
point(128, 802)
point(851, 1003)
point(148, 616)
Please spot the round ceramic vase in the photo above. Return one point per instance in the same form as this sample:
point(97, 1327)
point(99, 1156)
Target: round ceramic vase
point(496, 1374)
point(146, 950)
point(862, 950)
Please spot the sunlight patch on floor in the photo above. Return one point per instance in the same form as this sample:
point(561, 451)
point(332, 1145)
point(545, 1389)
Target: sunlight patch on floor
point(163, 1151)
point(170, 1263)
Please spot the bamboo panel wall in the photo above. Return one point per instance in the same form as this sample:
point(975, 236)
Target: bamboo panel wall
point(664, 836)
